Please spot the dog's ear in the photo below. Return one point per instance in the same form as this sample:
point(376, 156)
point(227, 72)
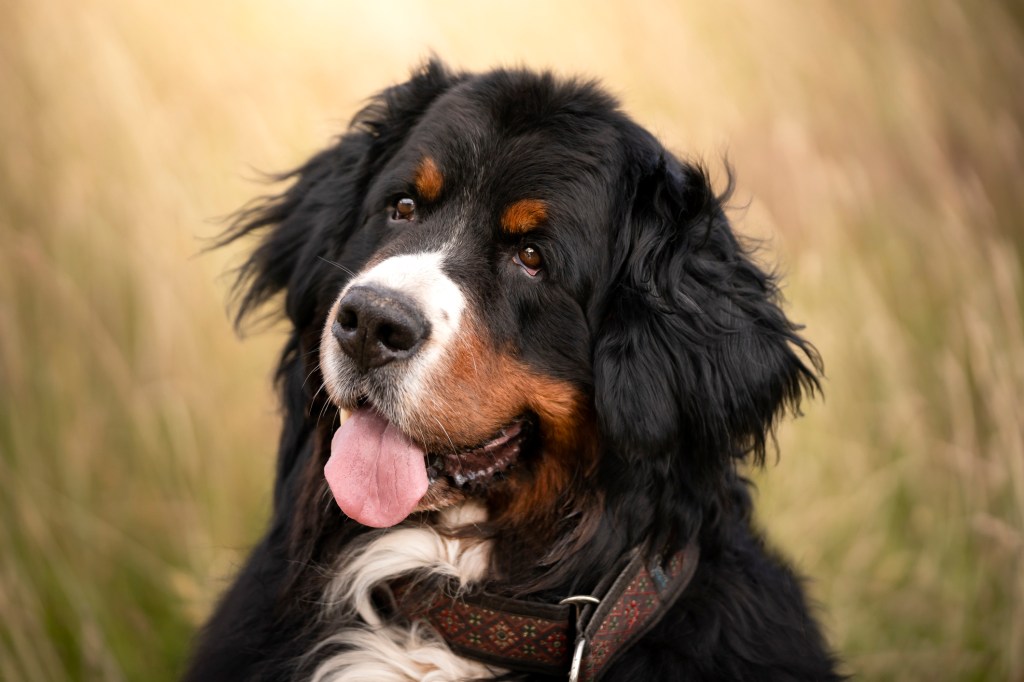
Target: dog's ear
point(693, 354)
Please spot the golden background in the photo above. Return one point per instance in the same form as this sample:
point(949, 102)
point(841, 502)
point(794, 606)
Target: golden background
point(878, 148)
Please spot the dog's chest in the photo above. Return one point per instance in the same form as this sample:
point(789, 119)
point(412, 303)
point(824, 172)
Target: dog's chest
point(369, 647)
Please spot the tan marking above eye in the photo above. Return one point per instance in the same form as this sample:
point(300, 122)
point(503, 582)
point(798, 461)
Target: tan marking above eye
point(429, 181)
point(523, 216)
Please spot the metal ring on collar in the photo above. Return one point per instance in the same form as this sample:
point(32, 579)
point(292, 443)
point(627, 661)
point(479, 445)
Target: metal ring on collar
point(578, 600)
point(577, 660)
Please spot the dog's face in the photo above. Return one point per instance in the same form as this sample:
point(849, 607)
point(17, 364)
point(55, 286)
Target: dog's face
point(462, 346)
point(521, 297)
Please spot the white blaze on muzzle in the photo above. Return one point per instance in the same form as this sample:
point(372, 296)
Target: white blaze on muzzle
point(377, 473)
point(421, 278)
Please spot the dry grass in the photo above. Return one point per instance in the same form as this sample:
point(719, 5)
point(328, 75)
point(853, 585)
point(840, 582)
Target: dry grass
point(882, 152)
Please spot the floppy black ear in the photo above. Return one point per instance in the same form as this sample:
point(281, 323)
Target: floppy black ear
point(693, 354)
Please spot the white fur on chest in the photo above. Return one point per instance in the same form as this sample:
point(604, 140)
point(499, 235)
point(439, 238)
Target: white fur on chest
point(379, 652)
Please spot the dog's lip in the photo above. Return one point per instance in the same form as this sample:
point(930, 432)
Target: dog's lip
point(472, 467)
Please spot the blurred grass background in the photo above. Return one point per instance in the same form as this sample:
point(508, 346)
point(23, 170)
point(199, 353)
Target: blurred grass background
point(879, 149)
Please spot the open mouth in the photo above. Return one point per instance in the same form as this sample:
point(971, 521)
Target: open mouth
point(379, 475)
point(477, 467)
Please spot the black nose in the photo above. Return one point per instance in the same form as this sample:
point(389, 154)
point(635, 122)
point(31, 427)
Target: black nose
point(377, 326)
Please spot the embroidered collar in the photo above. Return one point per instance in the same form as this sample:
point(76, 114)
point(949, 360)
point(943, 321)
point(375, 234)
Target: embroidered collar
point(535, 637)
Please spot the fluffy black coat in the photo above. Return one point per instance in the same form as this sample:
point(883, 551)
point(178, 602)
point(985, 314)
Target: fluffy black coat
point(653, 310)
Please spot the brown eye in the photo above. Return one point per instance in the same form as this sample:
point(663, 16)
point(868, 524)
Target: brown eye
point(529, 259)
point(405, 209)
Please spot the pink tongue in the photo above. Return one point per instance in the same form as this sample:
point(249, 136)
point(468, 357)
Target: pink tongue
point(377, 475)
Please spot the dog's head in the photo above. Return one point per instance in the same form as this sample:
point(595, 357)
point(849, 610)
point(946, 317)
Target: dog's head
point(521, 298)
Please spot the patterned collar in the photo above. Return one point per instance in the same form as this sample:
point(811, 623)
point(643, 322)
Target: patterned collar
point(534, 637)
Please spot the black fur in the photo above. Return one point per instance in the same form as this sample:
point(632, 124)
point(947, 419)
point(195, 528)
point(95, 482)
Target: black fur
point(650, 306)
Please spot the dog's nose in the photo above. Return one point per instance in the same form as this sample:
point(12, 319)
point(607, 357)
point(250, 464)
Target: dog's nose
point(377, 326)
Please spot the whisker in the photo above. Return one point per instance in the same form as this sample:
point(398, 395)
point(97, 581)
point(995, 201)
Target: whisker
point(323, 385)
point(445, 431)
point(323, 411)
point(307, 379)
point(338, 265)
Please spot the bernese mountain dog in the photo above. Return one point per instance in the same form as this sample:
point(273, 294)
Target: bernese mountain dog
point(527, 360)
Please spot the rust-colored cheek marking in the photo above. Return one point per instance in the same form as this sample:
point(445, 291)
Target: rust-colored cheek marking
point(429, 181)
point(569, 452)
point(523, 216)
point(484, 388)
point(476, 396)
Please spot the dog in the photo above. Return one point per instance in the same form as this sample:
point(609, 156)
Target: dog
point(554, 355)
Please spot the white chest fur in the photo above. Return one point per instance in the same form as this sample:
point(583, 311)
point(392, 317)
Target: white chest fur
point(375, 651)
